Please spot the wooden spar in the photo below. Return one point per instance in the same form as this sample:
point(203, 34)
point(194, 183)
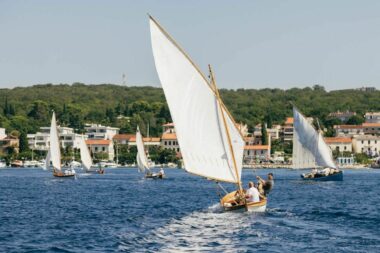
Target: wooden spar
point(226, 129)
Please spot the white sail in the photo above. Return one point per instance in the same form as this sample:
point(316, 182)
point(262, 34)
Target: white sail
point(195, 111)
point(47, 161)
point(54, 149)
point(142, 160)
point(309, 148)
point(85, 155)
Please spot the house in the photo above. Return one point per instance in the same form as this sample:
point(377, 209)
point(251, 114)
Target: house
point(99, 132)
point(340, 144)
point(372, 117)
point(123, 139)
point(348, 130)
point(371, 128)
point(101, 146)
point(342, 116)
point(287, 129)
point(9, 141)
point(367, 144)
point(169, 141)
point(254, 153)
point(148, 141)
point(41, 140)
point(273, 132)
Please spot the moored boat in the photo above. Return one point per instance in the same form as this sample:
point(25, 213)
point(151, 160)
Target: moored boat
point(211, 145)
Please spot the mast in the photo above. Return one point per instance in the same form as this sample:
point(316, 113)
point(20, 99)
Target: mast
point(226, 128)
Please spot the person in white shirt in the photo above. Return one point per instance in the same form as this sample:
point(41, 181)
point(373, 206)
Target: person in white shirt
point(252, 194)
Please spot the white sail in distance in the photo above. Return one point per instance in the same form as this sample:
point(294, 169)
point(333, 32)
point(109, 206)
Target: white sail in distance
point(54, 149)
point(196, 113)
point(85, 155)
point(309, 148)
point(141, 158)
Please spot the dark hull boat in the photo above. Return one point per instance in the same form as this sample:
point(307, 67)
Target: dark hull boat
point(155, 175)
point(334, 177)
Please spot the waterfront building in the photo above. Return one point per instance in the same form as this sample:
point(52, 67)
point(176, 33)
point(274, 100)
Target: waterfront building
point(340, 144)
point(367, 144)
point(348, 130)
point(99, 132)
point(7, 142)
point(256, 153)
point(287, 128)
point(342, 116)
point(148, 141)
point(41, 140)
point(123, 139)
point(169, 137)
point(371, 128)
point(101, 146)
point(372, 117)
point(345, 161)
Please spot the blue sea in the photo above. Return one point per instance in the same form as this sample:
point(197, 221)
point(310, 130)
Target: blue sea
point(123, 212)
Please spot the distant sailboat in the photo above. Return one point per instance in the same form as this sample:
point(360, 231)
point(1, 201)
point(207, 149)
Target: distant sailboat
point(54, 153)
point(86, 159)
point(142, 159)
point(311, 151)
point(210, 143)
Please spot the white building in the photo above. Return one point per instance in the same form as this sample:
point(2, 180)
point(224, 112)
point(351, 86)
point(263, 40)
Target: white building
point(2, 133)
point(348, 130)
point(255, 153)
point(41, 140)
point(343, 116)
point(273, 133)
point(102, 146)
point(99, 132)
point(340, 144)
point(371, 128)
point(372, 117)
point(367, 144)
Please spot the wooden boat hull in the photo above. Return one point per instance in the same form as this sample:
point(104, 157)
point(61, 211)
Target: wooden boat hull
point(335, 177)
point(63, 174)
point(228, 204)
point(155, 176)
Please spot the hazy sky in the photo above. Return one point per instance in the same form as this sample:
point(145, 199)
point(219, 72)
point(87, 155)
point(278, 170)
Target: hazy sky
point(251, 44)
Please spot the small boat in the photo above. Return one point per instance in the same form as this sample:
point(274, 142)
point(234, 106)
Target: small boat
point(334, 177)
point(211, 144)
point(54, 153)
point(17, 164)
point(311, 151)
point(87, 160)
point(142, 159)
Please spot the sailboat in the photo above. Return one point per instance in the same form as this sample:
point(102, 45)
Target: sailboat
point(210, 143)
point(142, 159)
point(54, 153)
point(311, 151)
point(86, 159)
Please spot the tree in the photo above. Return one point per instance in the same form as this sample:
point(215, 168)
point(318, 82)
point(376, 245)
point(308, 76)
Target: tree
point(355, 120)
point(264, 134)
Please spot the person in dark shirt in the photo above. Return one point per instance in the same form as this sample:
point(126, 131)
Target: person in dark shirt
point(265, 186)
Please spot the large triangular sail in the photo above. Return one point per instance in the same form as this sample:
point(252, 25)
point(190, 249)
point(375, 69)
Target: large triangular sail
point(141, 158)
point(85, 155)
point(54, 148)
point(309, 148)
point(196, 112)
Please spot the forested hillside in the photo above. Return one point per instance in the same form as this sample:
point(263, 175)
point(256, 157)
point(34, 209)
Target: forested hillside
point(25, 109)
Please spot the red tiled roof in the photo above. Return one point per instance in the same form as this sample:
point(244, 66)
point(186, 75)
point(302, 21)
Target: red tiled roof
point(337, 140)
point(256, 147)
point(146, 139)
point(289, 121)
point(123, 136)
point(98, 142)
point(371, 124)
point(169, 136)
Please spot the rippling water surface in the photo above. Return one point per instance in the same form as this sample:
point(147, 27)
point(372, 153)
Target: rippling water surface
point(121, 211)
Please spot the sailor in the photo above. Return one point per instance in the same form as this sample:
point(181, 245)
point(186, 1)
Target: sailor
point(252, 194)
point(265, 186)
point(325, 172)
point(162, 172)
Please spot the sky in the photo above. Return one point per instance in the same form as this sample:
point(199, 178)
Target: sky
point(250, 44)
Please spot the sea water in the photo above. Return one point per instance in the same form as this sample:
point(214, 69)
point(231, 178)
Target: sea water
point(121, 211)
